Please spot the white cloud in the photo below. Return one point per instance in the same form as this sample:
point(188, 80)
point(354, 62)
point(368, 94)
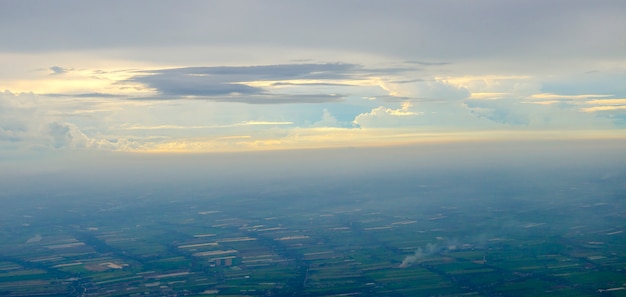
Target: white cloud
point(387, 117)
point(28, 121)
point(496, 86)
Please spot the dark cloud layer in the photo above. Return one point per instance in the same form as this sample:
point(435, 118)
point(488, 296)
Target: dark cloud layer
point(236, 83)
point(232, 74)
point(258, 98)
point(85, 95)
point(228, 84)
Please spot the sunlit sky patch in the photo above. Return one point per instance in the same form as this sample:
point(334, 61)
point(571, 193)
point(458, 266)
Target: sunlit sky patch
point(210, 76)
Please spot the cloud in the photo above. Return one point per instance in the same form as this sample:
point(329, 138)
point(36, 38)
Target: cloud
point(610, 101)
point(435, 89)
point(505, 111)
point(253, 84)
point(613, 109)
point(11, 129)
point(548, 96)
point(328, 120)
point(257, 98)
point(16, 117)
point(235, 74)
point(603, 108)
point(58, 70)
point(184, 82)
point(130, 66)
point(439, 31)
point(561, 114)
point(283, 99)
point(262, 123)
point(60, 134)
point(427, 63)
point(8, 134)
point(86, 95)
point(387, 117)
point(496, 86)
point(311, 84)
point(596, 83)
point(264, 84)
point(28, 122)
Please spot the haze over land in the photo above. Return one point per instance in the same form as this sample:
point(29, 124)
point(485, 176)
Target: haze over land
point(525, 218)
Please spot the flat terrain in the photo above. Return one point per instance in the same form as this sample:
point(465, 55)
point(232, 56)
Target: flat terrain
point(438, 236)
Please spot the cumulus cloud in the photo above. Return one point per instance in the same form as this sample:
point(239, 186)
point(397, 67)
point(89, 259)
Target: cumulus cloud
point(60, 134)
point(387, 117)
point(26, 122)
point(328, 120)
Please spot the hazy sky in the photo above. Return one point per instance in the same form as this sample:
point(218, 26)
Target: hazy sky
point(203, 76)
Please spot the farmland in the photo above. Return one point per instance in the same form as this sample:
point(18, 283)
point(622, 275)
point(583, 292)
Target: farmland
point(554, 241)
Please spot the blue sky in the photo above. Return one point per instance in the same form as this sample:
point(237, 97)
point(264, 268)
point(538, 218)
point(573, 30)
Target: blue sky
point(216, 76)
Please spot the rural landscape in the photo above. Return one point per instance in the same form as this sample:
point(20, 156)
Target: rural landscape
point(435, 234)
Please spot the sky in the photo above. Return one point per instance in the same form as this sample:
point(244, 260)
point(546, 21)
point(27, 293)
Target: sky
point(239, 76)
